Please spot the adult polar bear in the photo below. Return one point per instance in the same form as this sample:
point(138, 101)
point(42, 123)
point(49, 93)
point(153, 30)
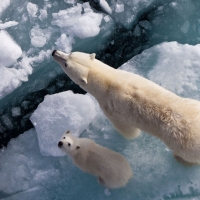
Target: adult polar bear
point(132, 102)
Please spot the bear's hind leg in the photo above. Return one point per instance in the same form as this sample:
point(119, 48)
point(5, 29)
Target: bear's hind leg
point(182, 161)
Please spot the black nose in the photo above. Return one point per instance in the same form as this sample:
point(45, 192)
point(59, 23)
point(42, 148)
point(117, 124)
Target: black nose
point(60, 144)
point(53, 52)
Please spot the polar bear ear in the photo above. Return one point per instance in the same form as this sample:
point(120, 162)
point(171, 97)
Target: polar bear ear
point(78, 147)
point(84, 80)
point(92, 56)
point(68, 132)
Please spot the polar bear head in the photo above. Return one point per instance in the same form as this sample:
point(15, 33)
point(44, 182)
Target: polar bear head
point(68, 143)
point(76, 65)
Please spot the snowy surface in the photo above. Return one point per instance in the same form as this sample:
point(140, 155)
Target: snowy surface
point(165, 33)
point(4, 5)
point(157, 175)
point(40, 28)
point(8, 24)
point(9, 49)
point(173, 66)
point(59, 113)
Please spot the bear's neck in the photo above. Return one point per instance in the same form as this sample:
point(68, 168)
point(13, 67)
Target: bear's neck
point(100, 80)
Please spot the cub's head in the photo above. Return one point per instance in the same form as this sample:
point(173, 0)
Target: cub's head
point(68, 143)
point(76, 65)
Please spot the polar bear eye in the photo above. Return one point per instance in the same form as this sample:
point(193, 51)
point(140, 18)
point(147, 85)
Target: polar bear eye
point(63, 137)
point(66, 65)
point(69, 144)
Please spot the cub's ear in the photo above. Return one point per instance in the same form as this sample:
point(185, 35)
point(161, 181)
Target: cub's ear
point(68, 132)
point(92, 56)
point(78, 147)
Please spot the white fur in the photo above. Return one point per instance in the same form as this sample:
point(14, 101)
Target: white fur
point(132, 102)
point(111, 168)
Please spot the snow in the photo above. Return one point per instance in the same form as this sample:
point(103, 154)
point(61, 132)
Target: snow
point(59, 113)
point(4, 5)
point(64, 43)
point(156, 173)
point(32, 9)
point(173, 66)
point(10, 50)
point(80, 25)
point(43, 14)
point(13, 77)
point(8, 24)
point(119, 8)
point(164, 34)
point(41, 27)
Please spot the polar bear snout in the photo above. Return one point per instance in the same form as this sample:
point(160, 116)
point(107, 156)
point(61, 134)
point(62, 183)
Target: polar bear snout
point(60, 144)
point(53, 52)
point(60, 57)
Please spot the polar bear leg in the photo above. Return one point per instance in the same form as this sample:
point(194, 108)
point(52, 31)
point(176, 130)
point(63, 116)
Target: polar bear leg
point(182, 161)
point(127, 131)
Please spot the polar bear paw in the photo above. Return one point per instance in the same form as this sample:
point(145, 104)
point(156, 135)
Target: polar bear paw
point(182, 161)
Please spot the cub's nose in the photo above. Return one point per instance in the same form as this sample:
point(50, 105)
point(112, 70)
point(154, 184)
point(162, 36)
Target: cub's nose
point(53, 52)
point(60, 144)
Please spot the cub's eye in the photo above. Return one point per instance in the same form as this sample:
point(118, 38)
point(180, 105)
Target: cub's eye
point(66, 65)
point(69, 144)
point(63, 137)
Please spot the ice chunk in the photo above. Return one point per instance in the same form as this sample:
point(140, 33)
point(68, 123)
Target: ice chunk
point(4, 4)
point(28, 168)
point(70, 1)
point(8, 24)
point(13, 77)
point(8, 81)
point(80, 25)
point(171, 65)
point(119, 8)
point(38, 41)
point(59, 113)
point(43, 14)
point(64, 43)
point(88, 25)
point(32, 9)
point(9, 49)
point(39, 36)
point(16, 112)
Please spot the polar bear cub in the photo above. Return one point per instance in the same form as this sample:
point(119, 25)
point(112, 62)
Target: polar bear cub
point(134, 103)
point(110, 167)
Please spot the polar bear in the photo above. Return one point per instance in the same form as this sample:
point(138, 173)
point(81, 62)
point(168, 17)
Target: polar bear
point(132, 102)
point(111, 168)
